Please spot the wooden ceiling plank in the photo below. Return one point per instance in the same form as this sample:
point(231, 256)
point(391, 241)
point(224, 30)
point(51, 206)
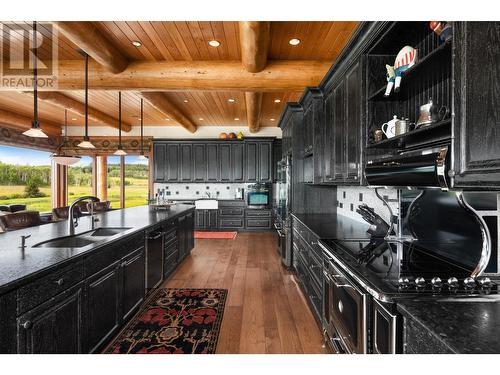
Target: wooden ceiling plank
point(131, 35)
point(219, 35)
point(215, 53)
point(179, 31)
point(160, 101)
point(198, 39)
point(253, 101)
point(154, 47)
point(119, 39)
point(168, 47)
point(86, 36)
point(254, 42)
point(231, 34)
point(17, 121)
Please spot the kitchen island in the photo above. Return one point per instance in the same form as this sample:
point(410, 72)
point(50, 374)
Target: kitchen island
point(74, 299)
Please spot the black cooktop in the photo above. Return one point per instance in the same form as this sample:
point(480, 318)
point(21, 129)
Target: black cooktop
point(398, 267)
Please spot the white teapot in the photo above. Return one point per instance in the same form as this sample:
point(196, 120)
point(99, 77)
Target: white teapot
point(389, 128)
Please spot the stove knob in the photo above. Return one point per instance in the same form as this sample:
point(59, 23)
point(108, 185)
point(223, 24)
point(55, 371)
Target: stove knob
point(403, 282)
point(420, 282)
point(485, 282)
point(436, 282)
point(453, 283)
point(469, 283)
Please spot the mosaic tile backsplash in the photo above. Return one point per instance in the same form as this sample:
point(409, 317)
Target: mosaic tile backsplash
point(199, 190)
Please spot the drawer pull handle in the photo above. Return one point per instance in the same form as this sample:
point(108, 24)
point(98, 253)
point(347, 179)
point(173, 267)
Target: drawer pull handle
point(27, 324)
point(60, 282)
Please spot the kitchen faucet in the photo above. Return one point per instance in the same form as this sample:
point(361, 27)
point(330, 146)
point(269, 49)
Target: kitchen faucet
point(73, 221)
point(208, 194)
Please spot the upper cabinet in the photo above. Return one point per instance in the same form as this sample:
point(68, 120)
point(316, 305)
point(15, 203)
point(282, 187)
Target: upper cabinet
point(476, 123)
point(213, 161)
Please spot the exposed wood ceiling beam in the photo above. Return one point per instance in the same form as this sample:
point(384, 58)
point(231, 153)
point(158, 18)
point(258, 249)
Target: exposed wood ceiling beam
point(254, 41)
point(282, 75)
point(160, 102)
point(253, 101)
point(76, 106)
point(20, 122)
point(87, 37)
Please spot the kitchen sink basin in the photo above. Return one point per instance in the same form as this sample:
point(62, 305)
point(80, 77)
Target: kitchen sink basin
point(106, 232)
point(206, 204)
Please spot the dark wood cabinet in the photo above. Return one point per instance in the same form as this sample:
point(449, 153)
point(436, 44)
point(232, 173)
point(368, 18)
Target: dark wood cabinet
point(237, 162)
point(212, 162)
point(53, 327)
point(199, 162)
point(251, 158)
point(133, 282)
point(337, 123)
point(353, 123)
point(186, 163)
point(206, 219)
point(265, 159)
point(225, 162)
point(199, 219)
point(172, 163)
point(185, 234)
point(159, 152)
point(476, 122)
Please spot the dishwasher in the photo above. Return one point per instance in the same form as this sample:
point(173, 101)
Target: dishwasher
point(154, 258)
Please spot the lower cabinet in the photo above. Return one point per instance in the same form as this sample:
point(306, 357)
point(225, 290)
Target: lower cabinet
point(258, 219)
point(133, 283)
point(53, 327)
point(206, 219)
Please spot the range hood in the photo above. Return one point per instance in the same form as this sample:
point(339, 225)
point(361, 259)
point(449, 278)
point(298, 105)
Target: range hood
point(423, 169)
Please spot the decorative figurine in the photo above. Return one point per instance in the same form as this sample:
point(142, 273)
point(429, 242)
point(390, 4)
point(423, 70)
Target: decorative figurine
point(405, 59)
point(240, 136)
point(443, 29)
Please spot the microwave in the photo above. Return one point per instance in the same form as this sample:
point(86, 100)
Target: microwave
point(258, 196)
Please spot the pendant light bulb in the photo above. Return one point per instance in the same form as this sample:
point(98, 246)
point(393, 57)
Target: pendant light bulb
point(35, 131)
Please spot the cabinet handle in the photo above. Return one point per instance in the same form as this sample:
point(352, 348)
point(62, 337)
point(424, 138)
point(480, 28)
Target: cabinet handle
point(60, 282)
point(27, 324)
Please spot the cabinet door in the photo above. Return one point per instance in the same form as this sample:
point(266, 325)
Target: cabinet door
point(181, 237)
point(199, 163)
point(212, 219)
point(329, 140)
point(212, 162)
point(265, 161)
point(199, 219)
point(186, 165)
point(353, 124)
point(476, 123)
point(225, 162)
point(103, 306)
point(133, 267)
point(54, 327)
point(237, 166)
point(252, 166)
point(338, 123)
point(190, 231)
point(159, 154)
point(172, 161)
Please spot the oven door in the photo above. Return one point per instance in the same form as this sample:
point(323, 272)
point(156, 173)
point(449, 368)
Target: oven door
point(348, 311)
point(385, 327)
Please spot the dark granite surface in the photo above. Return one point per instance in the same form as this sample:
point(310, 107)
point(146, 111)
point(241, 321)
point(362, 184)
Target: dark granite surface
point(18, 267)
point(334, 227)
point(465, 325)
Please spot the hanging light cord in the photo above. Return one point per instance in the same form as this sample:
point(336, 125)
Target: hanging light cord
point(142, 126)
point(35, 77)
point(119, 119)
point(86, 95)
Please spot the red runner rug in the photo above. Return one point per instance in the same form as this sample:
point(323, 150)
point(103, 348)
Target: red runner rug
point(174, 321)
point(219, 235)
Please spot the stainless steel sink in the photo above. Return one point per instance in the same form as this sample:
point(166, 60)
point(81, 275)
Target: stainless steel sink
point(82, 239)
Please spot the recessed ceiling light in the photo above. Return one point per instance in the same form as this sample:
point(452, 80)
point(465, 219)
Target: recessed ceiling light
point(271, 119)
point(236, 119)
point(167, 119)
point(277, 100)
point(136, 43)
point(73, 119)
point(214, 43)
point(294, 41)
point(185, 100)
point(231, 100)
point(201, 119)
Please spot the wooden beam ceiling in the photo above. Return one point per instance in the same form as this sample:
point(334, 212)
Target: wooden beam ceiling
point(254, 40)
point(19, 122)
point(88, 37)
point(253, 102)
point(160, 102)
point(65, 102)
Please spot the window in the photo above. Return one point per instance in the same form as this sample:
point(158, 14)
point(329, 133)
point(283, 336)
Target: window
point(25, 178)
point(136, 181)
point(80, 179)
point(114, 182)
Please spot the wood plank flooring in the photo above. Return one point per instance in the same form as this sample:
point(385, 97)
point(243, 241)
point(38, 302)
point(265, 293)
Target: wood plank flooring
point(265, 310)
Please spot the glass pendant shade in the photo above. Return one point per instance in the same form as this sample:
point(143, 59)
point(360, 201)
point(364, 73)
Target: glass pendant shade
point(66, 160)
point(120, 152)
point(86, 143)
point(35, 132)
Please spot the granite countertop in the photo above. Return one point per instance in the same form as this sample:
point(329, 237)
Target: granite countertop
point(465, 325)
point(16, 267)
point(334, 227)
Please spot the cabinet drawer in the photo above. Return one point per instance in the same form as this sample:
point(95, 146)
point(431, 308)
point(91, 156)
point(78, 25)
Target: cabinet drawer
point(171, 249)
point(258, 223)
point(258, 213)
point(231, 212)
point(170, 263)
point(48, 286)
point(235, 203)
point(231, 223)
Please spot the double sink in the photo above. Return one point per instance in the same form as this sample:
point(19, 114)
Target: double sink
point(83, 239)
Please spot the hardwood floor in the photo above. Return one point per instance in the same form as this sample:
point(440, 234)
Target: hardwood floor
point(265, 310)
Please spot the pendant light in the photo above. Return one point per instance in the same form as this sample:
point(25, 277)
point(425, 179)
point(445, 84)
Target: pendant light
point(120, 151)
point(62, 158)
point(86, 140)
point(141, 156)
point(35, 131)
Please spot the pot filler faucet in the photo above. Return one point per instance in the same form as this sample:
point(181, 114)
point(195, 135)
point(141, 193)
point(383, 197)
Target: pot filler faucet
point(73, 221)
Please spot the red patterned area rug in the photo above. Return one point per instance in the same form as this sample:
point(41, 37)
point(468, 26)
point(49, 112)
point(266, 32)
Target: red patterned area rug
point(174, 321)
point(218, 235)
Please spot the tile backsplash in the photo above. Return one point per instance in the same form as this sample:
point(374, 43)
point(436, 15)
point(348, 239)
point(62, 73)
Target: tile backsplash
point(199, 190)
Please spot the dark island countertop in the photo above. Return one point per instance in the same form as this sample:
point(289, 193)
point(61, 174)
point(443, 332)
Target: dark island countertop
point(18, 267)
point(469, 325)
point(333, 227)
